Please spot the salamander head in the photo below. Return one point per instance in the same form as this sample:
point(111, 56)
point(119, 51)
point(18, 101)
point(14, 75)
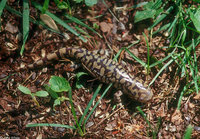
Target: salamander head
point(140, 92)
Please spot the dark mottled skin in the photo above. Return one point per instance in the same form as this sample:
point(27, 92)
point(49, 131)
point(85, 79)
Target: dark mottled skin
point(106, 70)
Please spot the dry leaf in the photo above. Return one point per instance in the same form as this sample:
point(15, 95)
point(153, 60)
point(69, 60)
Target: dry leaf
point(49, 21)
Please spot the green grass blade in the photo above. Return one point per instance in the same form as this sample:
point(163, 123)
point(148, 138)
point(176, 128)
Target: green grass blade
point(61, 22)
point(195, 68)
point(172, 25)
point(182, 93)
point(136, 58)
point(74, 113)
point(97, 103)
point(164, 67)
point(164, 59)
point(2, 6)
point(90, 103)
point(188, 132)
point(45, 6)
point(26, 12)
point(52, 125)
point(119, 52)
point(13, 11)
point(194, 77)
point(148, 56)
point(164, 27)
point(138, 5)
point(82, 31)
point(161, 70)
point(144, 116)
point(82, 24)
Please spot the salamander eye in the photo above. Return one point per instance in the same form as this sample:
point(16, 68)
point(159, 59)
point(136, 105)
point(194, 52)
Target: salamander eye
point(140, 85)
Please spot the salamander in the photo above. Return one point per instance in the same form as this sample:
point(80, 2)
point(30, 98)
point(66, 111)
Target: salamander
point(104, 69)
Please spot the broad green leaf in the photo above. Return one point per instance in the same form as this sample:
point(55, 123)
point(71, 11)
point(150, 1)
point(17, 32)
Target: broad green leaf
point(195, 18)
point(161, 17)
point(59, 84)
point(149, 5)
point(157, 4)
point(53, 94)
point(24, 90)
point(41, 94)
point(142, 15)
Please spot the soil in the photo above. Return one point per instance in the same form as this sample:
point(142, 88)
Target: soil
point(117, 116)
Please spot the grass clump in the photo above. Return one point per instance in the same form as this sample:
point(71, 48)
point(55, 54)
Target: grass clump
point(178, 21)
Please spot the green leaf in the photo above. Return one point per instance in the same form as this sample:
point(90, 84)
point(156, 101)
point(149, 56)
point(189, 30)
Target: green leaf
point(157, 4)
point(41, 94)
point(161, 17)
point(149, 5)
point(59, 84)
point(142, 15)
point(195, 18)
point(90, 2)
point(78, 82)
point(26, 12)
point(56, 102)
point(59, 100)
point(2, 6)
point(63, 5)
point(49, 21)
point(24, 90)
point(53, 94)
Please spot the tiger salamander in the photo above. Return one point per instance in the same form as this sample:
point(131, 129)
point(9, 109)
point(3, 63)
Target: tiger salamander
point(104, 69)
